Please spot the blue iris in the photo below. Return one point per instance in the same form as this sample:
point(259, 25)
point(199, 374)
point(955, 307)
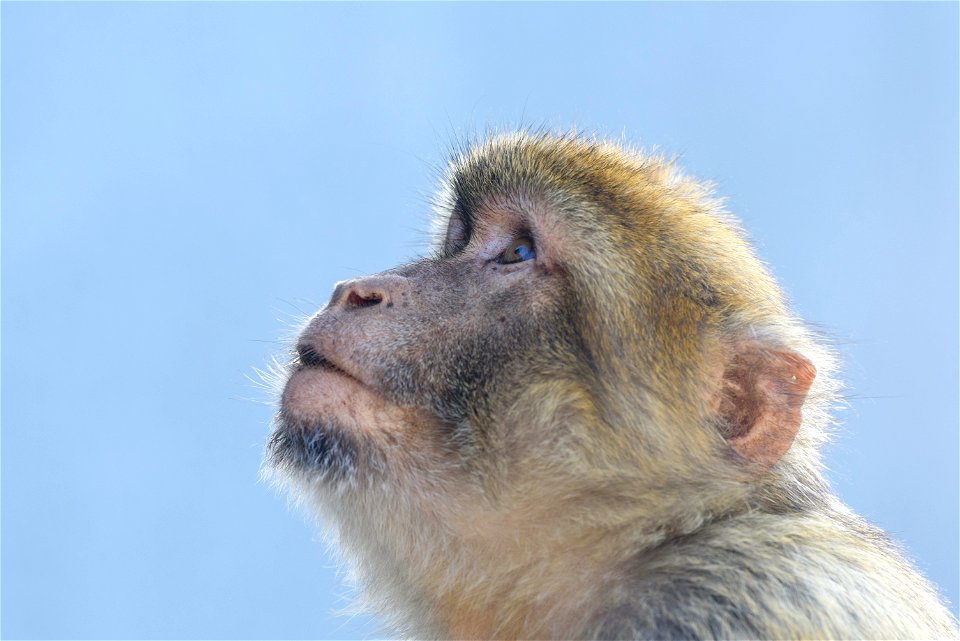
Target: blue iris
point(523, 252)
point(518, 251)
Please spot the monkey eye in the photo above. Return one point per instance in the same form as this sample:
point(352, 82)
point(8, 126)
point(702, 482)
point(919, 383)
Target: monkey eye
point(518, 251)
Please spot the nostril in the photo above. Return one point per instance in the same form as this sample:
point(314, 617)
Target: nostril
point(379, 291)
point(363, 300)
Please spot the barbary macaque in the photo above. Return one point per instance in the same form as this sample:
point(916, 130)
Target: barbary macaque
point(588, 413)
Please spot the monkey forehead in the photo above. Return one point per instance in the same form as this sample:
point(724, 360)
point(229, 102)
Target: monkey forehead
point(592, 188)
point(555, 167)
point(572, 193)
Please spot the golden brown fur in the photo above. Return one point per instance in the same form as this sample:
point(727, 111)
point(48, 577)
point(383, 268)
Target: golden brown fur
point(616, 438)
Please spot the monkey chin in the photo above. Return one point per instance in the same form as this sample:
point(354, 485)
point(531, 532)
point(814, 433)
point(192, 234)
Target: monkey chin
point(332, 427)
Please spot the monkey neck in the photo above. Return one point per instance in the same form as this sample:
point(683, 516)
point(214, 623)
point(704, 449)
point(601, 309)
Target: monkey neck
point(517, 574)
point(461, 571)
point(482, 575)
point(504, 582)
point(517, 587)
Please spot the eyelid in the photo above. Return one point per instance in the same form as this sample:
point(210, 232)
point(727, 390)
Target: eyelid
point(458, 234)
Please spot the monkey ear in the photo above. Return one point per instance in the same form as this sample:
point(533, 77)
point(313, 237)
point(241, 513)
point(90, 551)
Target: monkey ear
point(760, 399)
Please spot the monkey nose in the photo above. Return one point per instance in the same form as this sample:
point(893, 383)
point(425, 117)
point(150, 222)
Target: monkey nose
point(383, 290)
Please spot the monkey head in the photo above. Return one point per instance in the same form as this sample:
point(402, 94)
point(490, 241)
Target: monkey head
point(590, 347)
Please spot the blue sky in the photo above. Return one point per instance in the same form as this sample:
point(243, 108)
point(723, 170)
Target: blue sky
point(183, 182)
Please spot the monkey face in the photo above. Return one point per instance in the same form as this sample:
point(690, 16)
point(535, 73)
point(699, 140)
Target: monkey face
point(585, 317)
point(408, 370)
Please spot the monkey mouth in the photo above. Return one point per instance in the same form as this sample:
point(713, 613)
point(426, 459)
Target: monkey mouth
point(308, 358)
point(312, 360)
point(320, 388)
point(332, 422)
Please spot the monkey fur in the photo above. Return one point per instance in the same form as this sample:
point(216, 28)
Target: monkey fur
point(588, 413)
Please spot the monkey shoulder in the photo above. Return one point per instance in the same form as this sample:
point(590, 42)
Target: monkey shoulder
point(828, 575)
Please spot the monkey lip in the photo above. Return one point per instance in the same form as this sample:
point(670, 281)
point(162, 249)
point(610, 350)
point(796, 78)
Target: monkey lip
point(320, 396)
point(318, 387)
point(317, 362)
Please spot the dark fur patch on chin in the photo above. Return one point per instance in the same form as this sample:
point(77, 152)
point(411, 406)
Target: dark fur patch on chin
point(320, 449)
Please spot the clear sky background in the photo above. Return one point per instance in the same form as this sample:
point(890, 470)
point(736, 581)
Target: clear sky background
point(181, 183)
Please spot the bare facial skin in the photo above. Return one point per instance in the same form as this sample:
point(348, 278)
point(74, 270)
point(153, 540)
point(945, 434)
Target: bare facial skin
point(587, 413)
